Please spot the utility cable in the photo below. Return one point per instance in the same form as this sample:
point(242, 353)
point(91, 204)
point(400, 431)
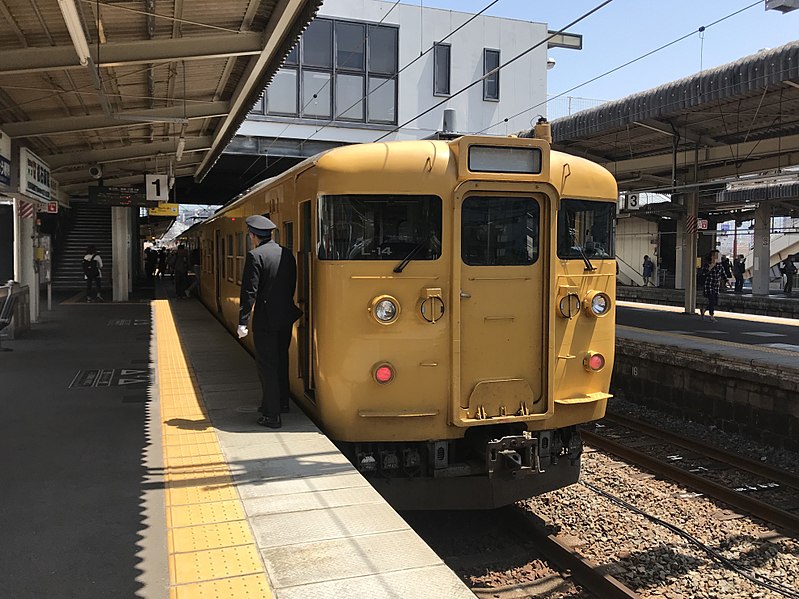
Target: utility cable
point(498, 69)
point(715, 555)
point(314, 97)
point(700, 30)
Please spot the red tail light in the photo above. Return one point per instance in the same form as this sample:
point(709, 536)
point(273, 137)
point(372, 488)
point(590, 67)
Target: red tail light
point(384, 373)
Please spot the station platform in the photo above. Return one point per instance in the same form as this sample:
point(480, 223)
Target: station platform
point(133, 467)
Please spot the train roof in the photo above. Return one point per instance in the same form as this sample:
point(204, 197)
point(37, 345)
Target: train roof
point(359, 159)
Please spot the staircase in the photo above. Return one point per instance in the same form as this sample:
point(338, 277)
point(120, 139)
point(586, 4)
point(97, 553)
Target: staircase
point(91, 225)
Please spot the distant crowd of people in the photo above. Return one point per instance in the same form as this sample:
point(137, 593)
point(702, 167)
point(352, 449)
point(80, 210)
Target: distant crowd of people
point(176, 263)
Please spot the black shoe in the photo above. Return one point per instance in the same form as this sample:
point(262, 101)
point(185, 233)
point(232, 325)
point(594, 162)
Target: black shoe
point(270, 421)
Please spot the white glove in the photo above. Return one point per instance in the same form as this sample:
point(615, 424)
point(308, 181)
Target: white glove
point(242, 331)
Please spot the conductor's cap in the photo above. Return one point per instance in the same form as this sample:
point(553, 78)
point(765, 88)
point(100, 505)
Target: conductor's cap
point(260, 225)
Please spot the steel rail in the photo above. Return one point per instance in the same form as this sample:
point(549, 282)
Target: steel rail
point(755, 507)
point(586, 573)
point(783, 477)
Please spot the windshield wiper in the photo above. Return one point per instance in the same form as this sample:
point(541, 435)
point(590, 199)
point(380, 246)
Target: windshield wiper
point(401, 266)
point(588, 265)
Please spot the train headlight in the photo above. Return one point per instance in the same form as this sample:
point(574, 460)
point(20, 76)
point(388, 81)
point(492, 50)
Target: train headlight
point(593, 362)
point(385, 309)
point(383, 373)
point(599, 304)
point(569, 305)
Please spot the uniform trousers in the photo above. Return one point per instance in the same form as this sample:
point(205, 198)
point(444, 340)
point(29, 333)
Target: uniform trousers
point(272, 361)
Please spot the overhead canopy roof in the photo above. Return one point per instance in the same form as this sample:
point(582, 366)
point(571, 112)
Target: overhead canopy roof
point(730, 122)
point(155, 73)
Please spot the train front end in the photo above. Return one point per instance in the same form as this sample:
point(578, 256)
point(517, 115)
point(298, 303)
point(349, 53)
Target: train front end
point(445, 368)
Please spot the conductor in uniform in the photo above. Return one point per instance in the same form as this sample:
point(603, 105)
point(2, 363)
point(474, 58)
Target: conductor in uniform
point(267, 285)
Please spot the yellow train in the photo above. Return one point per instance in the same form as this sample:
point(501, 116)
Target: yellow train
point(458, 300)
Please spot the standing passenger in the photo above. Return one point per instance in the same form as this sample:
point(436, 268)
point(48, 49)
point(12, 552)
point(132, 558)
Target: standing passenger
point(738, 268)
point(268, 283)
point(789, 270)
point(648, 268)
point(93, 272)
point(714, 279)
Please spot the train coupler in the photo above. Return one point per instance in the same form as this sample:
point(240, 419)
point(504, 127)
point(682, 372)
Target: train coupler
point(514, 454)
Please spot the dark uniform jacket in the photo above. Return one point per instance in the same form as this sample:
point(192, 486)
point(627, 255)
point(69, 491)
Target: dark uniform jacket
point(268, 283)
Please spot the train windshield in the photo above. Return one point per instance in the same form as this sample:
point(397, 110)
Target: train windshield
point(585, 229)
point(379, 227)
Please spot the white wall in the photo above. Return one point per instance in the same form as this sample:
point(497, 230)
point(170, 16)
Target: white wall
point(522, 84)
point(633, 237)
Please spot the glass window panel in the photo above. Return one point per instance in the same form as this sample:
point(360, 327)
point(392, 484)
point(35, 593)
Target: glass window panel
point(382, 50)
point(585, 228)
point(382, 100)
point(293, 56)
point(317, 44)
point(350, 46)
point(441, 57)
point(318, 84)
point(379, 227)
point(491, 84)
point(258, 108)
point(281, 95)
point(349, 97)
point(498, 231)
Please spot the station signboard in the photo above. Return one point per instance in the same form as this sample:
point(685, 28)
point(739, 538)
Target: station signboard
point(34, 175)
point(5, 159)
point(131, 195)
point(164, 209)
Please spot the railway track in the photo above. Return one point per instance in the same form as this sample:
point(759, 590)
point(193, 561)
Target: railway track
point(511, 553)
point(696, 471)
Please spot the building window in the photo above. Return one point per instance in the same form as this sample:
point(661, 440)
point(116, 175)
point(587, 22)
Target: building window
point(490, 83)
point(441, 69)
point(326, 75)
point(281, 96)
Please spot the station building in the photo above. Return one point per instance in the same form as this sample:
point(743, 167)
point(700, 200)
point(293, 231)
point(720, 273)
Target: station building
point(364, 70)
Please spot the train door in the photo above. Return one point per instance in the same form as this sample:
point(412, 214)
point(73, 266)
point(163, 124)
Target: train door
point(219, 248)
point(304, 297)
point(502, 340)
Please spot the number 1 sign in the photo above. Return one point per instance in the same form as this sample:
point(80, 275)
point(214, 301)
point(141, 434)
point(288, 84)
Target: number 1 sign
point(157, 188)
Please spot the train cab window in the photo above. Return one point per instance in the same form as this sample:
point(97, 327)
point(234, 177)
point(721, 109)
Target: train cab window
point(497, 231)
point(379, 227)
point(585, 229)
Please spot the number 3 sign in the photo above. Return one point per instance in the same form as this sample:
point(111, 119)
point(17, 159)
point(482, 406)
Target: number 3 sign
point(157, 188)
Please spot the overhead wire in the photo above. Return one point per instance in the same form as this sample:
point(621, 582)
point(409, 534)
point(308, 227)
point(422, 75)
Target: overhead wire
point(498, 69)
point(314, 97)
point(619, 67)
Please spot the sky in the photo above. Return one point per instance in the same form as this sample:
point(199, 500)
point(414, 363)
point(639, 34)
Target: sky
point(627, 29)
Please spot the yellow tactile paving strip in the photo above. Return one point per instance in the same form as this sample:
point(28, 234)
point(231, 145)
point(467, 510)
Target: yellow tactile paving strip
point(212, 551)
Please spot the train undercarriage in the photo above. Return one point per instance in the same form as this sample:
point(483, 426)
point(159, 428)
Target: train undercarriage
point(490, 467)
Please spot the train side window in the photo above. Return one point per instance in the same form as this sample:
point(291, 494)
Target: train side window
point(229, 259)
point(239, 256)
point(499, 231)
point(288, 234)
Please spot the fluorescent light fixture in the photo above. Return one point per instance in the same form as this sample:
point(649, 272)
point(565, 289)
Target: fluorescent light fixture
point(72, 19)
point(135, 118)
point(181, 147)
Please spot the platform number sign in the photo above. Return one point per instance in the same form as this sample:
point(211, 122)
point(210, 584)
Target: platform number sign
point(157, 188)
point(632, 201)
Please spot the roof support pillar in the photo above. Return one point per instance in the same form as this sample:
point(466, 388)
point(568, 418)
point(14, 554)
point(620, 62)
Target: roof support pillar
point(761, 265)
point(689, 246)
